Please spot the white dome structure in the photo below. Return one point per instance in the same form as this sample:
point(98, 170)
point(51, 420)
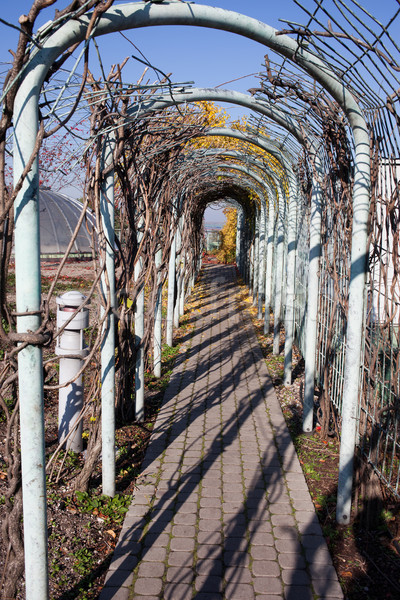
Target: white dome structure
point(58, 216)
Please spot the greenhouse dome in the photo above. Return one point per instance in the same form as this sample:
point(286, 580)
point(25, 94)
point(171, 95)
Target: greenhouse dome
point(59, 215)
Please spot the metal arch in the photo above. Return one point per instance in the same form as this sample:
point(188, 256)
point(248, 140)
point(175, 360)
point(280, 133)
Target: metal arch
point(221, 95)
point(248, 159)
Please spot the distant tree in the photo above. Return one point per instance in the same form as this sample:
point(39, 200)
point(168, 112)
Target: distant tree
point(227, 249)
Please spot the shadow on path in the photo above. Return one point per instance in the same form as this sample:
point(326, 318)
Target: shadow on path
point(222, 509)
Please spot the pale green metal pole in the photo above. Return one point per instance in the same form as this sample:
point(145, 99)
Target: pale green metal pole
point(238, 256)
point(139, 333)
point(256, 257)
point(30, 365)
point(171, 292)
point(312, 296)
point(279, 258)
point(108, 342)
point(178, 274)
point(158, 318)
point(182, 294)
point(290, 282)
point(261, 271)
point(269, 263)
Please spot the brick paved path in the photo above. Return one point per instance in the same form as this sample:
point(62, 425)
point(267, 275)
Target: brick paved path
point(222, 509)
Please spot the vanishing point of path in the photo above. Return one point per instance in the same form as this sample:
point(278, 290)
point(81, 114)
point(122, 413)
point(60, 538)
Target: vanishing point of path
point(222, 510)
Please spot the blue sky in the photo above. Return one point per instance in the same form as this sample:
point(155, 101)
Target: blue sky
point(207, 57)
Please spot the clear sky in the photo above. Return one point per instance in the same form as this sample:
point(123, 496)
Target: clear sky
point(207, 57)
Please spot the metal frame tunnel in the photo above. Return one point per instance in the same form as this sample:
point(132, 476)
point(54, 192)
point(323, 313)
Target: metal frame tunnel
point(27, 253)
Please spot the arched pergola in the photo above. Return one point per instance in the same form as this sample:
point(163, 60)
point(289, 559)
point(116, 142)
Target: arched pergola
point(119, 18)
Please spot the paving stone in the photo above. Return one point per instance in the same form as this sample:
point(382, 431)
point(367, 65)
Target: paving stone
point(283, 520)
point(212, 502)
point(234, 529)
point(295, 576)
point(210, 513)
point(112, 593)
point(305, 504)
point(209, 566)
point(261, 539)
point(148, 586)
point(318, 555)
point(162, 515)
point(309, 528)
point(270, 585)
point(236, 496)
point(291, 561)
point(182, 544)
point(233, 508)
point(239, 591)
point(209, 525)
point(328, 588)
point(156, 540)
point(127, 546)
point(138, 597)
point(322, 571)
point(187, 507)
point(208, 551)
point(236, 559)
point(184, 531)
point(231, 467)
point(285, 533)
point(151, 569)
point(208, 583)
point(154, 554)
point(280, 508)
point(263, 553)
point(256, 499)
point(208, 491)
point(229, 486)
point(234, 519)
point(177, 591)
point(209, 596)
point(178, 559)
point(125, 562)
point(269, 597)
point(238, 575)
point(259, 525)
point(288, 546)
point(231, 459)
point(180, 574)
point(185, 518)
point(119, 579)
point(236, 544)
point(313, 541)
point(209, 537)
point(265, 568)
point(159, 526)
